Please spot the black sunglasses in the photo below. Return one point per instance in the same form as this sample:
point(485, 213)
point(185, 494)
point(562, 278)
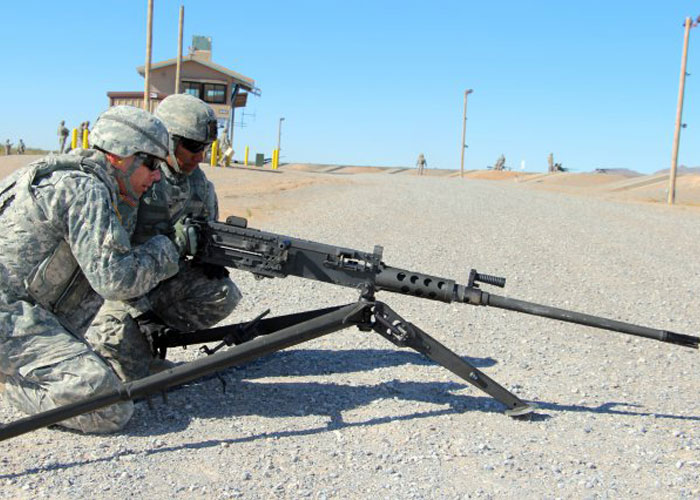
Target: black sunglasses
point(193, 146)
point(148, 161)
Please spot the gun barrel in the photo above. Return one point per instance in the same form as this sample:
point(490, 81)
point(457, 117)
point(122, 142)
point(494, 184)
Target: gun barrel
point(589, 320)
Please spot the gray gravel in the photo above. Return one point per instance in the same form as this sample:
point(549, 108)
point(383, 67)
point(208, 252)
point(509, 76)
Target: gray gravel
point(350, 416)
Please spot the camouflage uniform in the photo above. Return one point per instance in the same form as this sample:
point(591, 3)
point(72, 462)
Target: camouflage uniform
point(8, 147)
point(64, 249)
point(62, 136)
point(21, 147)
point(421, 164)
point(198, 297)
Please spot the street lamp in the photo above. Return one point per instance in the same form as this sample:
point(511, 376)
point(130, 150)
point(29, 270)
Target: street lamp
point(279, 135)
point(464, 130)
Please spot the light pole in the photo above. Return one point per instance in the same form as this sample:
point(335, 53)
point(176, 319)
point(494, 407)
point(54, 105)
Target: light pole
point(679, 115)
point(147, 67)
point(178, 67)
point(464, 131)
point(279, 135)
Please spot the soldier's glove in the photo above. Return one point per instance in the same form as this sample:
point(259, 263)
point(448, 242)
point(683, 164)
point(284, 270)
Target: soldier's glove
point(185, 238)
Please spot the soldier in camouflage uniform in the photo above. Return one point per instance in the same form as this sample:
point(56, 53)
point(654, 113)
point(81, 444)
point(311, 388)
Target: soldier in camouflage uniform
point(200, 295)
point(62, 136)
point(421, 164)
point(63, 250)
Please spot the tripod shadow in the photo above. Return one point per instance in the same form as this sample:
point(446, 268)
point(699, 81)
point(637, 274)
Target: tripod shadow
point(315, 362)
point(247, 395)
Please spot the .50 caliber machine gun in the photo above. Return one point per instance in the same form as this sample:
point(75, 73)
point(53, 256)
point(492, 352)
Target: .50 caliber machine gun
point(234, 245)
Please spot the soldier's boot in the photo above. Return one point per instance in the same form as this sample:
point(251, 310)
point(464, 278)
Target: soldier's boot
point(151, 326)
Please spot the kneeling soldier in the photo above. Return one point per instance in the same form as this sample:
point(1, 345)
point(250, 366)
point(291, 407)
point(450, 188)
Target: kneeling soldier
point(63, 250)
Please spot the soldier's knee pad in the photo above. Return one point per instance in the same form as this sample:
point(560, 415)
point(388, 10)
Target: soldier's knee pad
point(89, 376)
point(70, 381)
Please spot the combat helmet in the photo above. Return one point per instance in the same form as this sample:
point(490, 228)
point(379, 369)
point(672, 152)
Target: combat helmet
point(126, 130)
point(188, 117)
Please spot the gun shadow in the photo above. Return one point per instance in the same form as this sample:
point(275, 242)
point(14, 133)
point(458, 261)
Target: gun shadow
point(314, 362)
point(302, 399)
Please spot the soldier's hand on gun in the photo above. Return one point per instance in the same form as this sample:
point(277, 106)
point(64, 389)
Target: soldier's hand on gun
point(185, 237)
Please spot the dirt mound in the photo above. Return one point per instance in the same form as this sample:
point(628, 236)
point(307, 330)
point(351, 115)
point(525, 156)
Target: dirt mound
point(492, 175)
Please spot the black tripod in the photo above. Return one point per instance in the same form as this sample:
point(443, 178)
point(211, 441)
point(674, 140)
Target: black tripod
point(256, 338)
point(273, 334)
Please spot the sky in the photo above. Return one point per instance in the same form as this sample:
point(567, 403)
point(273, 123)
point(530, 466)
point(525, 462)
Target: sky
point(378, 82)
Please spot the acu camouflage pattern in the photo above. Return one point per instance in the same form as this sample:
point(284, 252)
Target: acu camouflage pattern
point(126, 130)
point(191, 300)
point(63, 248)
point(188, 301)
point(171, 199)
point(62, 137)
point(187, 116)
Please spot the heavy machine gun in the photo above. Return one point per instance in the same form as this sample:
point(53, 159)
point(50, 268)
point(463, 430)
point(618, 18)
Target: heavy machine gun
point(268, 255)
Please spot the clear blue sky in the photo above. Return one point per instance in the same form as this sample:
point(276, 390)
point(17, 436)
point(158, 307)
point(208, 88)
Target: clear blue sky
point(378, 82)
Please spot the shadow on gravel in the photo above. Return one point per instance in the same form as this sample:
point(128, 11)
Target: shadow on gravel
point(295, 399)
point(247, 396)
point(279, 400)
point(611, 408)
point(310, 362)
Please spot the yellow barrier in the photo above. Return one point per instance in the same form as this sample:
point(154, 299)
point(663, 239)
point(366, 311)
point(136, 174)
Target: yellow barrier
point(74, 139)
point(214, 153)
point(85, 141)
point(275, 158)
point(245, 160)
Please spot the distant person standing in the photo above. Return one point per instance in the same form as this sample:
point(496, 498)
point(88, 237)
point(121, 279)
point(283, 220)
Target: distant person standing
point(421, 164)
point(500, 163)
point(8, 147)
point(62, 137)
point(20, 147)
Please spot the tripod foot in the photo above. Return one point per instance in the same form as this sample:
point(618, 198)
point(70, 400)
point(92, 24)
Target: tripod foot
point(521, 411)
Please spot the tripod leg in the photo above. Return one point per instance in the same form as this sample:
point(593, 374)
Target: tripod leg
point(336, 319)
point(403, 333)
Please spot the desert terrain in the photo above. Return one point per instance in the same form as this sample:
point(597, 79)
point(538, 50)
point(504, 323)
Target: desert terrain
point(257, 193)
point(350, 415)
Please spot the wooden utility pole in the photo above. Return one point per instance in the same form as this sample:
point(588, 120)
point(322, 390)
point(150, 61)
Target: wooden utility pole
point(679, 117)
point(179, 50)
point(464, 131)
point(279, 134)
point(147, 69)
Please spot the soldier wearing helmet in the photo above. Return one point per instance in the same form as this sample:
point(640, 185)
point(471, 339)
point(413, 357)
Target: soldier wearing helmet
point(65, 249)
point(199, 296)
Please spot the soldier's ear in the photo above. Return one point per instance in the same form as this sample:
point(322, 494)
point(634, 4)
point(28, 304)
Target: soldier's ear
point(115, 160)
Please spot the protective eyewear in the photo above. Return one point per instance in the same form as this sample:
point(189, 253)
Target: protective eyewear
point(148, 161)
point(193, 146)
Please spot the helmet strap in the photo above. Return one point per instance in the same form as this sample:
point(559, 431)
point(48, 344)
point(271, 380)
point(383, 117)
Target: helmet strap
point(172, 158)
point(125, 177)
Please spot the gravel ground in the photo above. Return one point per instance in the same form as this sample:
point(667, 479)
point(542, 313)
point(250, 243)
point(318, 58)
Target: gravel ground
point(351, 416)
